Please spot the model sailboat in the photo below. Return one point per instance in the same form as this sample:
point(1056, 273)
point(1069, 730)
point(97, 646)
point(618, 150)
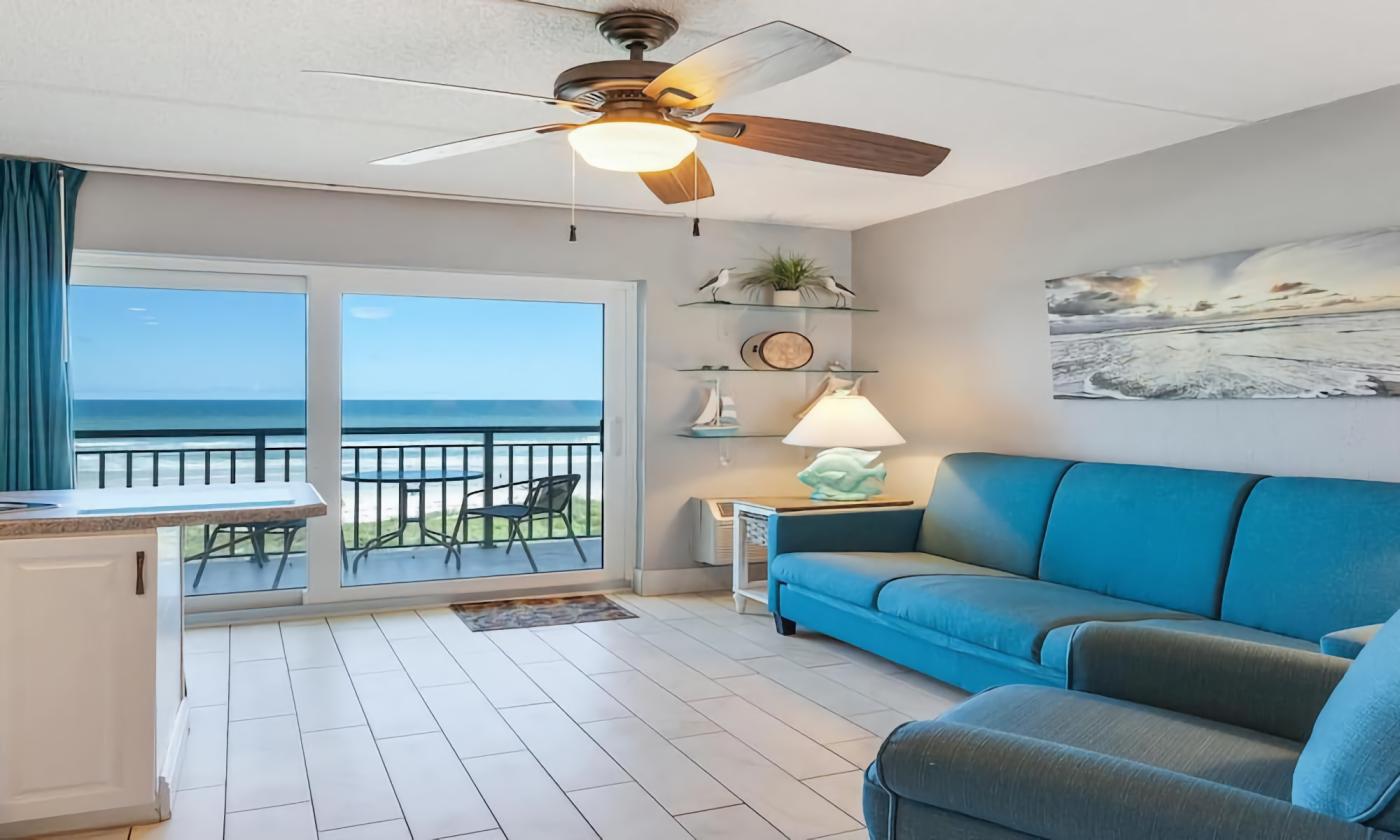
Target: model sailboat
point(719, 417)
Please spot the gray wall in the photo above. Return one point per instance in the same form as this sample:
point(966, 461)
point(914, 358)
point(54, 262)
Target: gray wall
point(169, 216)
point(962, 336)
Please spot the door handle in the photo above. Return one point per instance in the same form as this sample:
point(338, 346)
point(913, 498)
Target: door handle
point(140, 573)
point(615, 435)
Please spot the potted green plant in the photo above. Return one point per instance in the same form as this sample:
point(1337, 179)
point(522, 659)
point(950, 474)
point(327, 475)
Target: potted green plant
point(787, 275)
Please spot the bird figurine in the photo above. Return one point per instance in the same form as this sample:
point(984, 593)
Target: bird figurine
point(714, 284)
point(843, 294)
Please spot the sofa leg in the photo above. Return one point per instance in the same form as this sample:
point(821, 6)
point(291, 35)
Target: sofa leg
point(785, 626)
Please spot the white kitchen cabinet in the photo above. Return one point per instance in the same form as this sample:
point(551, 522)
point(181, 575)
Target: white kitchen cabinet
point(92, 698)
point(88, 698)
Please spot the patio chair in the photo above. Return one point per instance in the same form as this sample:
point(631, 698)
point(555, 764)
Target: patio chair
point(256, 535)
point(547, 497)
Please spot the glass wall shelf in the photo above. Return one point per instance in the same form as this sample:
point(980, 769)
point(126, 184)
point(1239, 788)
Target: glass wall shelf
point(722, 304)
point(730, 437)
point(751, 370)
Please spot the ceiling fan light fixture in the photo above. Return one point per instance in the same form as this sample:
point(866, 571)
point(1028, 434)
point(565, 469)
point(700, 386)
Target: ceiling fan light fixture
point(632, 145)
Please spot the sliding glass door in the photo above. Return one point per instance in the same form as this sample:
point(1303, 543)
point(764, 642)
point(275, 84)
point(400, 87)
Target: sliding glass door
point(472, 437)
point(470, 434)
point(185, 378)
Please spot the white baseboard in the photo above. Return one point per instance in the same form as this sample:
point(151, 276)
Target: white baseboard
point(677, 581)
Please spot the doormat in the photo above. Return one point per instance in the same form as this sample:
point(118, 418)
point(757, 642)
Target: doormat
point(539, 612)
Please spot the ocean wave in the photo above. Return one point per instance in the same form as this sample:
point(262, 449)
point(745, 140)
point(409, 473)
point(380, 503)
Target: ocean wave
point(1316, 357)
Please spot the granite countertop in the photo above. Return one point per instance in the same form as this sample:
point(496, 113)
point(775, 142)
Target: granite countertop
point(130, 509)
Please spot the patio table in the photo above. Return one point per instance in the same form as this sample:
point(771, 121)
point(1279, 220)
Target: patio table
point(410, 482)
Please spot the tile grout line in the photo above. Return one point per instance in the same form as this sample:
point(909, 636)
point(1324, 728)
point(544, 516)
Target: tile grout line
point(671, 741)
point(228, 726)
point(369, 729)
point(523, 747)
point(813, 669)
point(301, 736)
point(526, 745)
point(631, 779)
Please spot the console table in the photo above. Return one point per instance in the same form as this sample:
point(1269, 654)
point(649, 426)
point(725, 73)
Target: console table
point(751, 528)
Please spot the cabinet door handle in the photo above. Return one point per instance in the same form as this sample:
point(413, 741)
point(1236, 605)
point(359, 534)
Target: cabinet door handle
point(140, 573)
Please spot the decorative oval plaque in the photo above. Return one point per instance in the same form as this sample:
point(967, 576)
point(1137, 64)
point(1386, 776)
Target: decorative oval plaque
point(777, 350)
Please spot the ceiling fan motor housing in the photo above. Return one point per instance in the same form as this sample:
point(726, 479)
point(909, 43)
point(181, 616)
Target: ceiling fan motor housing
point(609, 83)
point(617, 85)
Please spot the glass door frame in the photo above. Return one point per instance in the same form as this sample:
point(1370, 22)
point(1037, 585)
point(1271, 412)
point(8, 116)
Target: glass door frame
point(150, 271)
point(620, 428)
point(324, 286)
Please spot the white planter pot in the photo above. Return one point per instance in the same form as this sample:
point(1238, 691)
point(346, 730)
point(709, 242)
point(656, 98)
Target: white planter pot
point(787, 298)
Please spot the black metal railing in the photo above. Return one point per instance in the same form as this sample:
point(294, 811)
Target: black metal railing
point(504, 455)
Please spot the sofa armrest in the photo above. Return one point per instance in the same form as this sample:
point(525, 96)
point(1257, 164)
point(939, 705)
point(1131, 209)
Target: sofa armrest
point(1263, 687)
point(1349, 642)
point(892, 529)
point(1049, 790)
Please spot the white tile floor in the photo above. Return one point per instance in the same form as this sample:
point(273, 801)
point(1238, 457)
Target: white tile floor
point(689, 722)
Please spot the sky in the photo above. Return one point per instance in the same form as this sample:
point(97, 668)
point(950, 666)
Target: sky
point(1349, 273)
point(133, 343)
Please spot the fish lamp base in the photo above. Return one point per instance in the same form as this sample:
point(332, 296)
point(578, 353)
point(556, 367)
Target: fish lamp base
point(843, 474)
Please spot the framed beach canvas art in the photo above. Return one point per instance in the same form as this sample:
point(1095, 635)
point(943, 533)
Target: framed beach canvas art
point(1317, 318)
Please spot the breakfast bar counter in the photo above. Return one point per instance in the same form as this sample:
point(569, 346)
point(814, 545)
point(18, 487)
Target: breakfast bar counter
point(132, 508)
point(93, 707)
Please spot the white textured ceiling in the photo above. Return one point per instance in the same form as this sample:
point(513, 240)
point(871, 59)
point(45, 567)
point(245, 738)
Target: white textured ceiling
point(1019, 89)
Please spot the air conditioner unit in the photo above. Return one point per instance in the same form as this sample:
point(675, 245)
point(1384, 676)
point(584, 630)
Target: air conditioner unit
point(714, 536)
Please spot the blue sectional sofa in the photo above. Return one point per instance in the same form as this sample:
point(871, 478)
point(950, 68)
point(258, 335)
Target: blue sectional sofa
point(988, 583)
point(1162, 735)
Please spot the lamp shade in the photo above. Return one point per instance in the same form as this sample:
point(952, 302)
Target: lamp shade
point(843, 420)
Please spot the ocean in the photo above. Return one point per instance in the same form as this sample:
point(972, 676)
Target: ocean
point(1350, 354)
point(126, 415)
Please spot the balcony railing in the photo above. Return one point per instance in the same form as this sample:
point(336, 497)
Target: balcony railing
point(502, 454)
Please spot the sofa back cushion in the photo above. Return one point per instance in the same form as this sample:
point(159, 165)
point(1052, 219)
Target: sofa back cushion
point(990, 510)
point(1153, 534)
point(1314, 555)
point(1350, 767)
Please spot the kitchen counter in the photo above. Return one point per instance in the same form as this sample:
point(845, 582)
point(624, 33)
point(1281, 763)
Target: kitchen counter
point(136, 508)
point(93, 706)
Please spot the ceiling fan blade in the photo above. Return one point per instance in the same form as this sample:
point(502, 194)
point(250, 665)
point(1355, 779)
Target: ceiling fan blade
point(752, 60)
point(474, 144)
point(678, 185)
point(824, 143)
point(544, 100)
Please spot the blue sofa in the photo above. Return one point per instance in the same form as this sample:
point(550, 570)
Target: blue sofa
point(1163, 735)
point(987, 584)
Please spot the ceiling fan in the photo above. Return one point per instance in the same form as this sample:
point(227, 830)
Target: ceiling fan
point(647, 116)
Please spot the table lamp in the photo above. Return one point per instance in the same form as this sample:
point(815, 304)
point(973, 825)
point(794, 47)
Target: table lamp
point(843, 425)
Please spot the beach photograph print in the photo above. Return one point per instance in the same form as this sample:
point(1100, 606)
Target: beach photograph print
point(1319, 318)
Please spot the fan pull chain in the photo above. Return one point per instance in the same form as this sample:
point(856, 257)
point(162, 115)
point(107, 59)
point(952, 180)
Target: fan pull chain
point(695, 193)
point(573, 195)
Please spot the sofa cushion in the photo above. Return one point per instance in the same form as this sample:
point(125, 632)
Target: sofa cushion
point(1153, 534)
point(1006, 614)
point(1349, 642)
point(1350, 767)
point(857, 576)
point(990, 510)
point(1314, 555)
point(1215, 752)
point(1054, 653)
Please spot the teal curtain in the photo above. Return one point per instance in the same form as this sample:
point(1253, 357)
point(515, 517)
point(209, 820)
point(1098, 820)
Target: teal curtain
point(37, 201)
